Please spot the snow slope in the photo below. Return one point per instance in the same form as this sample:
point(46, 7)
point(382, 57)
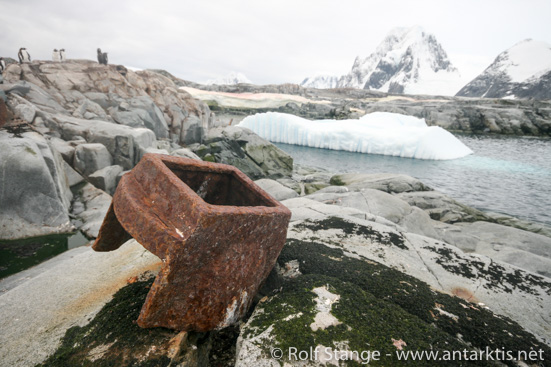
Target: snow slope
point(408, 60)
point(521, 71)
point(375, 133)
point(321, 82)
point(232, 78)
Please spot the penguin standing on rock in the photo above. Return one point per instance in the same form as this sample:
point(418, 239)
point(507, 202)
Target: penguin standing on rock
point(102, 57)
point(62, 55)
point(56, 56)
point(2, 68)
point(23, 55)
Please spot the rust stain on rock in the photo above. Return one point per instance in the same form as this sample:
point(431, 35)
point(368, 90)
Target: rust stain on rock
point(464, 293)
point(217, 233)
point(3, 113)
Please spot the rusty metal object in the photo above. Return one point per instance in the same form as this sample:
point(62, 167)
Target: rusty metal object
point(216, 232)
point(3, 113)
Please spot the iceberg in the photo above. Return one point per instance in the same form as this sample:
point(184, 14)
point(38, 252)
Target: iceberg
point(375, 133)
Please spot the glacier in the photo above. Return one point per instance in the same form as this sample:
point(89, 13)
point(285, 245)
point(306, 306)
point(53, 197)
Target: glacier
point(375, 133)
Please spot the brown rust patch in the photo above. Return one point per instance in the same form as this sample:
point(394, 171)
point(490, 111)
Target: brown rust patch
point(464, 293)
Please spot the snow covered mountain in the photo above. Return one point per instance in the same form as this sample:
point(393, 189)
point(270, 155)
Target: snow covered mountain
point(523, 71)
point(230, 79)
point(409, 60)
point(321, 82)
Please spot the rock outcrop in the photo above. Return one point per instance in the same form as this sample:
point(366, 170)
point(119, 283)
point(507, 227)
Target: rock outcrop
point(77, 121)
point(87, 90)
point(522, 71)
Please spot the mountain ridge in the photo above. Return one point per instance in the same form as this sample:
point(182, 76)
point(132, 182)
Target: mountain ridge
point(522, 71)
point(407, 61)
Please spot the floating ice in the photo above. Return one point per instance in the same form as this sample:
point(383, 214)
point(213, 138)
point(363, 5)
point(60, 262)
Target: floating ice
point(375, 133)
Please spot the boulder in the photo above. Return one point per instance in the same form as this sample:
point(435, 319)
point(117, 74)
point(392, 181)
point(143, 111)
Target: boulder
point(35, 196)
point(26, 112)
point(277, 190)
point(64, 148)
point(387, 182)
point(90, 158)
point(106, 178)
point(89, 208)
point(256, 157)
point(73, 177)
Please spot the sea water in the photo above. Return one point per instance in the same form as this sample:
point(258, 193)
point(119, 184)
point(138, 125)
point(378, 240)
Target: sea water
point(509, 175)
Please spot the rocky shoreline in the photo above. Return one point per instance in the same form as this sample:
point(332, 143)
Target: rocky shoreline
point(378, 261)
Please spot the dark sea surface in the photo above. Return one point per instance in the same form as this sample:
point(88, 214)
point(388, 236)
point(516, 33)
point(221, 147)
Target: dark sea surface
point(509, 175)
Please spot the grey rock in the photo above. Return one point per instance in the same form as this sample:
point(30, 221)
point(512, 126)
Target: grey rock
point(156, 151)
point(125, 144)
point(256, 157)
point(26, 112)
point(106, 178)
point(164, 144)
point(509, 221)
point(387, 182)
point(443, 208)
point(290, 183)
point(384, 205)
point(34, 196)
point(185, 153)
point(73, 177)
point(91, 157)
point(277, 190)
point(66, 149)
point(524, 249)
point(90, 109)
point(142, 112)
point(303, 208)
point(41, 303)
point(92, 205)
point(333, 190)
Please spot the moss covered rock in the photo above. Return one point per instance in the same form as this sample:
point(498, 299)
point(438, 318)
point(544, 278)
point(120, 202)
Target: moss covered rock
point(379, 310)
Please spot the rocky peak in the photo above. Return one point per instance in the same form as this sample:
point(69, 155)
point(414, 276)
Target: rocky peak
point(522, 71)
point(408, 60)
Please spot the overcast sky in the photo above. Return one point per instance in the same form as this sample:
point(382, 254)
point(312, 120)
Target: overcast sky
point(269, 41)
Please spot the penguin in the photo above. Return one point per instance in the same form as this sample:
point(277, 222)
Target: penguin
point(62, 55)
point(2, 65)
point(100, 57)
point(56, 56)
point(23, 55)
point(105, 58)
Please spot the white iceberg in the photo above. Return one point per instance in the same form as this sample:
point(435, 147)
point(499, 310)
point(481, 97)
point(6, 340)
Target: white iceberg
point(375, 133)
